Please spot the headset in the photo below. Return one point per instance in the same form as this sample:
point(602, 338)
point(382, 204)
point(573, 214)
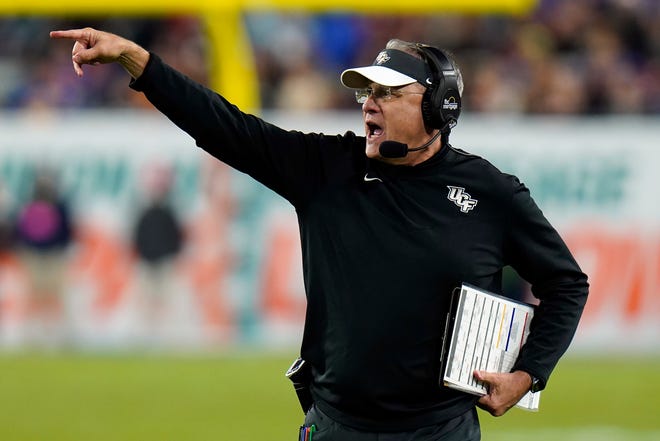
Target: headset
point(441, 103)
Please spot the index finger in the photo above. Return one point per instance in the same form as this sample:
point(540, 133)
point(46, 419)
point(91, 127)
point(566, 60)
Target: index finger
point(73, 34)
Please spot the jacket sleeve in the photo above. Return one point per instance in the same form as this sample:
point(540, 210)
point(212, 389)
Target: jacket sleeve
point(288, 162)
point(540, 256)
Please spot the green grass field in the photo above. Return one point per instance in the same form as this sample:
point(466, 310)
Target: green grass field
point(244, 397)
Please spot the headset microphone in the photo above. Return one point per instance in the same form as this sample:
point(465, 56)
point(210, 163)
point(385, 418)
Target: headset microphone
point(395, 149)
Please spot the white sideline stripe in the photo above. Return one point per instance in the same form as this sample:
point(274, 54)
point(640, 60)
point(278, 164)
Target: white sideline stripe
point(591, 433)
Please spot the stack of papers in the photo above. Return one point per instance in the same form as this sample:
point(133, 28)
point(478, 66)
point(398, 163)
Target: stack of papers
point(484, 332)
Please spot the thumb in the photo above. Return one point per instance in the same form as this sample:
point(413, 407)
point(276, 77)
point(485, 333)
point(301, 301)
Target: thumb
point(487, 378)
point(85, 55)
point(482, 376)
point(80, 56)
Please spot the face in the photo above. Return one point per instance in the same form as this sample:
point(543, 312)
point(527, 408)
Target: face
point(395, 118)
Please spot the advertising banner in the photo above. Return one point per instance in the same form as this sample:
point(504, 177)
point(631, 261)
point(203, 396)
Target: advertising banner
point(235, 275)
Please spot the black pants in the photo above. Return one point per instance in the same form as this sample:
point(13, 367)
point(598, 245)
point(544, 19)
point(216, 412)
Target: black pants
point(462, 428)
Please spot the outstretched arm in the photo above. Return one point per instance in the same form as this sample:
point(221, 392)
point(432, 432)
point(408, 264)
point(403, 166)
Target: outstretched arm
point(98, 47)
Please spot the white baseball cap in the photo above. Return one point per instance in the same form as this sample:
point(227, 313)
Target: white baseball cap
point(391, 68)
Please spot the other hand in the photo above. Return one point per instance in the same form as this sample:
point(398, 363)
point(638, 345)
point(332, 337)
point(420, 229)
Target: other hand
point(504, 390)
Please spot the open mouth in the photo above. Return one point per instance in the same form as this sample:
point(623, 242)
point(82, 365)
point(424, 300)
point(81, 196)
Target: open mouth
point(373, 130)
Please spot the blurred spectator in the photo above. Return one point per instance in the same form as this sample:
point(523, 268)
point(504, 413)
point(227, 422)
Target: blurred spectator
point(304, 88)
point(44, 233)
point(158, 239)
point(570, 57)
point(6, 222)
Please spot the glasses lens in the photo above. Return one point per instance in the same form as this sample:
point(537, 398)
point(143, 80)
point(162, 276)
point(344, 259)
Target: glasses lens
point(361, 95)
point(378, 93)
point(384, 93)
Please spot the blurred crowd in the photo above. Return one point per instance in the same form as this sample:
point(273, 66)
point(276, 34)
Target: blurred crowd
point(41, 239)
point(568, 56)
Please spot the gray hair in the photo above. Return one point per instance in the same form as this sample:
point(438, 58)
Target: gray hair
point(414, 50)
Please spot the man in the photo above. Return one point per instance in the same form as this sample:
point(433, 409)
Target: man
point(387, 232)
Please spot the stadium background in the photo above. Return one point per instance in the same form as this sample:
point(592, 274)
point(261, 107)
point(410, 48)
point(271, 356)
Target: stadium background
point(564, 94)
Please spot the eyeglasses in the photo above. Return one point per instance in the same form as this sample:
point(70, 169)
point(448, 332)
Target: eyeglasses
point(380, 93)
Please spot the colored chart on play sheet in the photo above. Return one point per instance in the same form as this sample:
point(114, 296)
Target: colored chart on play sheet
point(487, 335)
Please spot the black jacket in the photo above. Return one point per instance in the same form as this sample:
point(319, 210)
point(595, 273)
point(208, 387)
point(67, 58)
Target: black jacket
point(383, 246)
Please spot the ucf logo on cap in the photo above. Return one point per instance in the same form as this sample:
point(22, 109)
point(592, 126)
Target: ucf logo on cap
point(382, 58)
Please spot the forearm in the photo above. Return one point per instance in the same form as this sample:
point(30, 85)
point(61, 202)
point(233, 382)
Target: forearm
point(240, 140)
point(554, 325)
point(215, 125)
point(537, 252)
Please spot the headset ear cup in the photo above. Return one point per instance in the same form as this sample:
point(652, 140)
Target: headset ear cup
point(428, 107)
point(432, 107)
point(441, 104)
point(450, 107)
point(436, 100)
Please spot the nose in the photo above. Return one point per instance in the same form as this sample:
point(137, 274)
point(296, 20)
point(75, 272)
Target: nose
point(370, 104)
